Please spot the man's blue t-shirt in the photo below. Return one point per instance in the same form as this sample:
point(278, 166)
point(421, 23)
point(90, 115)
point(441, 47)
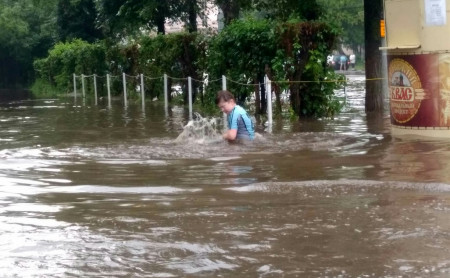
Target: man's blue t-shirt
point(239, 119)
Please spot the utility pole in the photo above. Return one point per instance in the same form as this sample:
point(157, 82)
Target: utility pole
point(373, 13)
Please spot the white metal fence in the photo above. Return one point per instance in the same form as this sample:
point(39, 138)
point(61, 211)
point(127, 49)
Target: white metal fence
point(165, 78)
point(190, 80)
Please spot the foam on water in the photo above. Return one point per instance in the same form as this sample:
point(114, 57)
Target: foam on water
point(200, 130)
point(200, 138)
point(345, 184)
point(116, 189)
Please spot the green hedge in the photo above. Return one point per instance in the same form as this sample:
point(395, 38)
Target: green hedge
point(64, 59)
point(244, 51)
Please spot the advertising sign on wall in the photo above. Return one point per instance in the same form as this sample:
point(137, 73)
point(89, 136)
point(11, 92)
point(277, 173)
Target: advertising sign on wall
point(419, 90)
point(411, 89)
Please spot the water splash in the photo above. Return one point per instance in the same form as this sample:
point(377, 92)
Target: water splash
point(200, 130)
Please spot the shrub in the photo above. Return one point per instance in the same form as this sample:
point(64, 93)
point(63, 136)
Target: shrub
point(64, 59)
point(241, 52)
point(303, 47)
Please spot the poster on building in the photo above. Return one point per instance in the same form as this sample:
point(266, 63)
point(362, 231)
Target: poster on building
point(414, 90)
point(435, 12)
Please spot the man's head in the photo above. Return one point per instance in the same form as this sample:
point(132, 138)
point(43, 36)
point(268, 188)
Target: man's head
point(225, 101)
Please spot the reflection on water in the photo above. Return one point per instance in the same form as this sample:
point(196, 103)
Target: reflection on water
point(87, 191)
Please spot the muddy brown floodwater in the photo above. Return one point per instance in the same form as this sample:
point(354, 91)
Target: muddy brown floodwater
point(87, 191)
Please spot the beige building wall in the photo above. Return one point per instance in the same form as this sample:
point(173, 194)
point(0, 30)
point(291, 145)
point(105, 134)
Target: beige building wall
point(418, 48)
point(407, 29)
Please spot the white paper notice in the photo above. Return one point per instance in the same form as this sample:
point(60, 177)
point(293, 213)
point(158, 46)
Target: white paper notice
point(435, 12)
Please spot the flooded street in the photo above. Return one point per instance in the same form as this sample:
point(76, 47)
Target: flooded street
point(88, 191)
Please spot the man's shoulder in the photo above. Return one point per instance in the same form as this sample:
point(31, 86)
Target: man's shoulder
point(240, 109)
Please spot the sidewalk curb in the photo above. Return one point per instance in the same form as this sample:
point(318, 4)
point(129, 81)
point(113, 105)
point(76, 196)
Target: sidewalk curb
point(350, 72)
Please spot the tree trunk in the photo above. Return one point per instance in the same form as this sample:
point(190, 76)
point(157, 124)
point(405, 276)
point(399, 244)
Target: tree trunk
point(230, 9)
point(192, 16)
point(295, 98)
point(373, 10)
point(160, 21)
point(277, 91)
point(263, 104)
point(295, 88)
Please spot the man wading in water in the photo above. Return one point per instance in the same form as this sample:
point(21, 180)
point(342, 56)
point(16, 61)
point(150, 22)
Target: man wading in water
point(240, 126)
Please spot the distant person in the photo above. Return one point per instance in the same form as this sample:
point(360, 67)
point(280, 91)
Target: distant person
point(343, 60)
point(240, 126)
point(330, 60)
point(352, 60)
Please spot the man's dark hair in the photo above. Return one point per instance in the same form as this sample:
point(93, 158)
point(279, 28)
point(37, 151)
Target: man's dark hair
point(224, 95)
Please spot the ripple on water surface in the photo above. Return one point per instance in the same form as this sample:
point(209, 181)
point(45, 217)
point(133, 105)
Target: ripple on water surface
point(119, 201)
point(322, 228)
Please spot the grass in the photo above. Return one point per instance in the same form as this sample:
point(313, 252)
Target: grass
point(43, 89)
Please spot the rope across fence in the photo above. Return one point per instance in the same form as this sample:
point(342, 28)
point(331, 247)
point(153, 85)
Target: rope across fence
point(140, 78)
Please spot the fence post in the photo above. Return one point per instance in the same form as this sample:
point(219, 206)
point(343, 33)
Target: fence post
point(82, 85)
point(75, 84)
point(75, 87)
point(108, 85)
point(166, 94)
point(224, 82)
point(95, 88)
point(142, 92)
point(224, 87)
point(269, 101)
point(124, 81)
point(190, 97)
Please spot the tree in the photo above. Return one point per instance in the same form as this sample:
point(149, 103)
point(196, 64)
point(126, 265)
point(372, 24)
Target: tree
point(232, 8)
point(303, 47)
point(179, 55)
point(289, 52)
point(131, 16)
point(76, 20)
point(26, 32)
point(348, 17)
point(283, 10)
point(191, 11)
point(241, 52)
point(374, 90)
